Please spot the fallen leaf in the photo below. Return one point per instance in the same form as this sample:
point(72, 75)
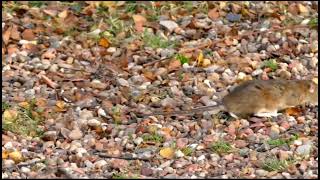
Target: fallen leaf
point(41, 102)
point(5, 154)
point(303, 9)
point(60, 104)
point(15, 34)
point(200, 59)
point(49, 54)
point(28, 35)
point(16, 156)
point(149, 75)
point(214, 14)
point(6, 35)
point(24, 104)
point(167, 152)
point(293, 111)
point(63, 14)
point(139, 22)
point(10, 115)
point(174, 65)
point(104, 42)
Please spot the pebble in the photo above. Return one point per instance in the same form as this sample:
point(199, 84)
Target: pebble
point(274, 132)
point(25, 170)
point(170, 25)
point(182, 142)
point(8, 163)
point(257, 72)
point(50, 136)
point(261, 172)
point(123, 82)
point(200, 158)
point(94, 123)
point(138, 140)
point(75, 134)
point(99, 164)
point(304, 149)
point(179, 153)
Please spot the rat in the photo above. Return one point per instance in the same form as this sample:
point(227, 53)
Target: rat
point(262, 98)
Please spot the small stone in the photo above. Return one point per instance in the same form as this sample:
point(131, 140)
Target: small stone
point(146, 171)
point(138, 140)
point(170, 25)
point(305, 149)
point(240, 143)
point(200, 158)
point(99, 164)
point(257, 72)
point(123, 82)
point(54, 68)
point(233, 17)
point(50, 136)
point(179, 153)
point(25, 170)
point(94, 123)
point(274, 132)
point(182, 142)
point(75, 134)
point(261, 172)
point(111, 49)
point(215, 157)
point(8, 163)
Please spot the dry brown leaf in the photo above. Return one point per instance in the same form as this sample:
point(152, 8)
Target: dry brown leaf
point(139, 22)
point(293, 111)
point(149, 75)
point(63, 14)
point(167, 152)
point(28, 35)
point(174, 65)
point(41, 102)
point(15, 34)
point(49, 54)
point(51, 12)
point(214, 14)
point(16, 156)
point(6, 35)
point(24, 104)
point(10, 115)
point(104, 42)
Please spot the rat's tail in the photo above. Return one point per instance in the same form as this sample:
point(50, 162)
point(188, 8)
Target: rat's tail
point(215, 108)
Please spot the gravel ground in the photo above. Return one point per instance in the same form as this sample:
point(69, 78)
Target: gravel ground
point(76, 76)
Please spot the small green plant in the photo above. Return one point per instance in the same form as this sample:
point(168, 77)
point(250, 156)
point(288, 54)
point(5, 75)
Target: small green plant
point(131, 7)
point(313, 23)
point(280, 142)
point(271, 63)
point(36, 3)
point(275, 164)
point(5, 106)
point(123, 176)
point(221, 147)
point(182, 58)
point(23, 121)
point(153, 137)
point(153, 41)
point(187, 151)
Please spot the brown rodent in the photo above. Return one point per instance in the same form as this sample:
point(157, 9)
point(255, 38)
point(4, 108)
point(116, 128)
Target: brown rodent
point(261, 98)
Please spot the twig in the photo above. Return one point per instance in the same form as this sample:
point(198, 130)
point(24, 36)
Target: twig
point(153, 62)
point(104, 155)
point(49, 82)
